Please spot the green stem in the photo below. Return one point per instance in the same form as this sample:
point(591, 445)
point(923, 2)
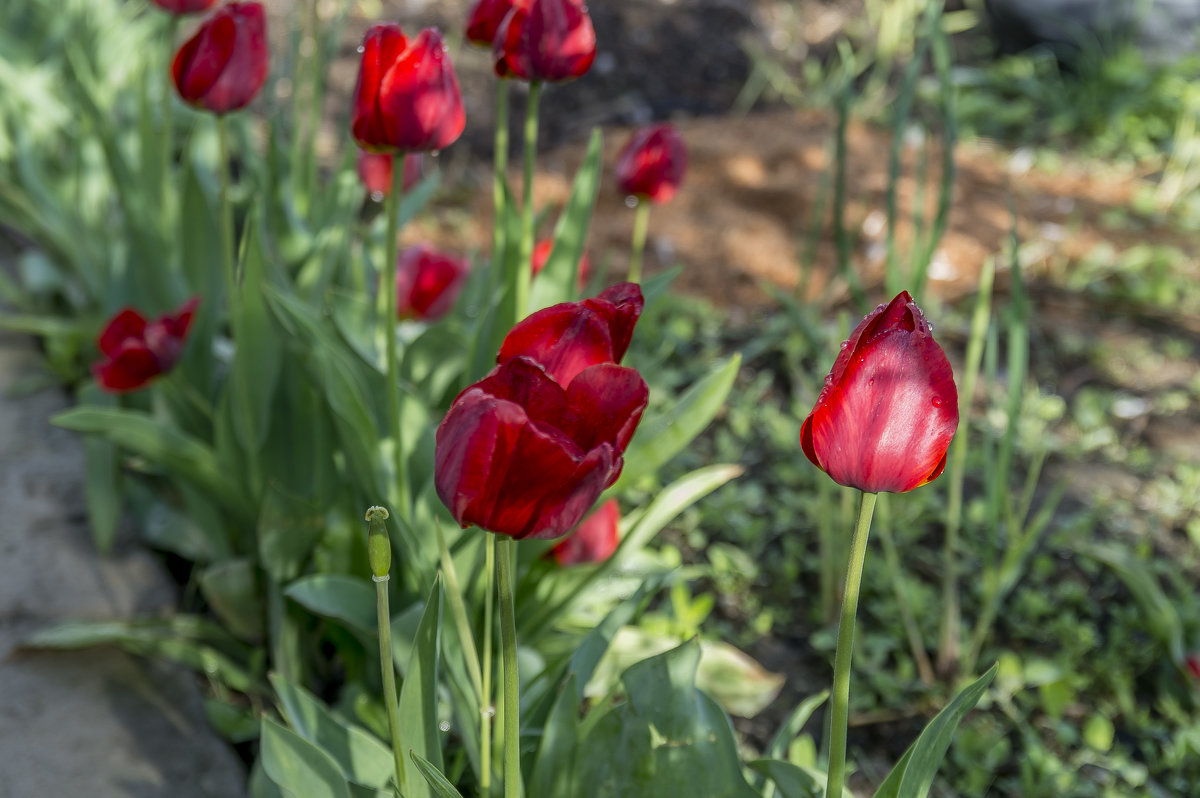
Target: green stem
point(508, 645)
point(231, 278)
point(167, 140)
point(840, 701)
point(524, 271)
point(641, 221)
point(391, 702)
point(485, 700)
point(459, 610)
point(499, 176)
point(388, 326)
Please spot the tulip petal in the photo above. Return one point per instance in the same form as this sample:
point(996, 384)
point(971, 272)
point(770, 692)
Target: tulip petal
point(246, 67)
point(382, 45)
point(565, 339)
point(128, 369)
point(419, 99)
point(125, 325)
point(202, 58)
point(594, 540)
point(606, 402)
point(524, 382)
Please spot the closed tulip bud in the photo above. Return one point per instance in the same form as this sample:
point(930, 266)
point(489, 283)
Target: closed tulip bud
point(889, 408)
point(527, 450)
point(407, 95)
point(184, 6)
point(541, 254)
point(428, 282)
point(136, 351)
point(550, 40)
point(652, 163)
point(484, 20)
point(224, 65)
point(594, 540)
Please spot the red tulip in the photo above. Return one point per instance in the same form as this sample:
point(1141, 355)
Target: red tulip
point(375, 170)
point(568, 338)
point(652, 163)
point(224, 65)
point(184, 6)
point(549, 40)
point(484, 20)
point(137, 351)
point(527, 451)
point(407, 95)
point(1192, 662)
point(889, 408)
point(541, 254)
point(594, 540)
point(427, 283)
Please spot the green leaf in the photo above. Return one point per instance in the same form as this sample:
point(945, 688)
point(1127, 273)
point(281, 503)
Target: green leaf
point(670, 502)
point(913, 775)
point(163, 444)
point(235, 723)
point(555, 760)
point(257, 346)
point(202, 263)
point(660, 438)
point(793, 724)
point(288, 528)
point(231, 589)
point(103, 487)
point(418, 694)
point(558, 281)
point(297, 766)
point(669, 739)
point(360, 756)
point(791, 780)
point(346, 598)
point(442, 788)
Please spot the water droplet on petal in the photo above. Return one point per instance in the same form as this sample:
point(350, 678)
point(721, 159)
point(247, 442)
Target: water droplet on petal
point(845, 344)
point(870, 382)
point(828, 380)
point(360, 49)
point(631, 201)
point(937, 401)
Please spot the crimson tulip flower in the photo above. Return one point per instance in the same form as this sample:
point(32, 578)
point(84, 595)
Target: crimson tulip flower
point(594, 540)
point(184, 6)
point(550, 40)
point(889, 408)
point(484, 20)
point(223, 66)
point(375, 171)
point(136, 350)
point(1192, 662)
point(527, 450)
point(428, 282)
point(541, 254)
point(407, 95)
point(652, 163)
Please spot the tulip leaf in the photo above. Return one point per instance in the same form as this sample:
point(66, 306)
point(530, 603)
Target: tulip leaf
point(663, 436)
point(668, 739)
point(288, 528)
point(913, 775)
point(558, 280)
point(232, 591)
point(297, 766)
point(360, 757)
point(555, 760)
point(418, 695)
point(441, 786)
point(345, 598)
point(103, 487)
point(257, 347)
point(200, 251)
point(163, 444)
point(792, 781)
point(794, 722)
point(236, 724)
point(670, 502)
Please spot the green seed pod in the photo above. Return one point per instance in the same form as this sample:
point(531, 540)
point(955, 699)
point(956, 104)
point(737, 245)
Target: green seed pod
point(379, 545)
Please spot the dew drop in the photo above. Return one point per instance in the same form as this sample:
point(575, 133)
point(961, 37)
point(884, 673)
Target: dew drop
point(444, 725)
point(435, 153)
point(828, 380)
point(491, 712)
point(845, 344)
point(631, 201)
point(870, 382)
point(377, 196)
point(937, 401)
point(360, 49)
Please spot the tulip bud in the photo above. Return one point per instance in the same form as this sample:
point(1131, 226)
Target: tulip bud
point(551, 40)
point(484, 20)
point(889, 408)
point(428, 282)
point(379, 545)
point(224, 65)
point(652, 163)
point(137, 350)
point(184, 6)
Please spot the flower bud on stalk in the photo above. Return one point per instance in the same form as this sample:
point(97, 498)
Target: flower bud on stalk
point(379, 545)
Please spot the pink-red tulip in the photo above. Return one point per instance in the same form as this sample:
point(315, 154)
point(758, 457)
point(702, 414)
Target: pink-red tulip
point(541, 254)
point(594, 540)
point(527, 450)
point(1192, 662)
point(889, 408)
point(407, 95)
point(428, 282)
point(375, 171)
point(224, 65)
point(484, 20)
point(550, 40)
point(652, 163)
point(136, 350)
point(184, 6)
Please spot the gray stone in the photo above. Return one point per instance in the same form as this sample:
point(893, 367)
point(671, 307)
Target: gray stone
point(97, 722)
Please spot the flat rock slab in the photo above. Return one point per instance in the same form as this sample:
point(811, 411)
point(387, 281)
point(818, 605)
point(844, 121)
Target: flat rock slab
point(96, 722)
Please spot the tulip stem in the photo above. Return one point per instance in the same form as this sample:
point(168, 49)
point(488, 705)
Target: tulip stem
point(508, 644)
point(390, 701)
point(524, 266)
point(485, 699)
point(388, 325)
point(499, 175)
point(167, 137)
point(459, 610)
point(641, 221)
point(840, 704)
point(227, 250)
